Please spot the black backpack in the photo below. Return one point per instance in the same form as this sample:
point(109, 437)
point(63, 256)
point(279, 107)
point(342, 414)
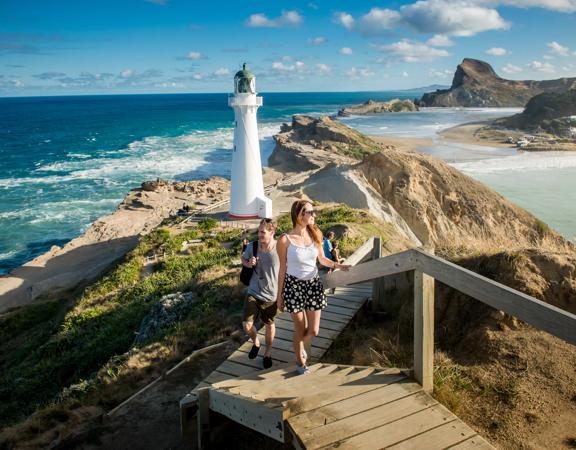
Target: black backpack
point(246, 272)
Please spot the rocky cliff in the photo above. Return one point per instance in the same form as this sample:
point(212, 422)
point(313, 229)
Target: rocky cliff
point(310, 143)
point(549, 111)
point(476, 84)
point(374, 107)
point(436, 203)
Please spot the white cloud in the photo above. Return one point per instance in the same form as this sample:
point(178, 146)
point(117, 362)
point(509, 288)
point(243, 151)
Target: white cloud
point(127, 73)
point(541, 67)
point(378, 21)
point(511, 69)
point(317, 40)
point(260, 20)
point(439, 40)
point(49, 75)
point(357, 73)
point(324, 69)
point(169, 84)
point(290, 18)
point(443, 74)
point(287, 19)
point(222, 72)
point(497, 51)
point(198, 76)
point(194, 55)
point(298, 66)
point(405, 74)
point(345, 51)
point(344, 19)
point(567, 6)
point(452, 17)
point(411, 51)
point(558, 49)
point(440, 17)
point(312, 5)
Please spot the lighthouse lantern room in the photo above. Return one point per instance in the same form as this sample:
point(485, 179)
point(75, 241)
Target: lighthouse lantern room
point(247, 200)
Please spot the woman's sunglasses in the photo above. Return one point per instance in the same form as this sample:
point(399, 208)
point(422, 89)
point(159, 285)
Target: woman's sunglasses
point(309, 212)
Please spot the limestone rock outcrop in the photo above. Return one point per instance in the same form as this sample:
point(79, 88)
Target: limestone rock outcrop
point(550, 112)
point(476, 84)
point(310, 143)
point(374, 107)
point(431, 201)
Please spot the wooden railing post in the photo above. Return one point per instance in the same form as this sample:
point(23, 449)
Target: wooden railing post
point(377, 292)
point(424, 330)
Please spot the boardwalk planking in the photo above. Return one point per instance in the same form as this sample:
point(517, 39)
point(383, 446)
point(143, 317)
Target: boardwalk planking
point(334, 320)
point(335, 406)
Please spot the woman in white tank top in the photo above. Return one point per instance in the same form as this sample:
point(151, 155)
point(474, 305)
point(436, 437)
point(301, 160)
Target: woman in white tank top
point(300, 290)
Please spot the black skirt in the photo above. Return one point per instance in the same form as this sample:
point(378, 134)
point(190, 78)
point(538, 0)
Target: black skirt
point(300, 295)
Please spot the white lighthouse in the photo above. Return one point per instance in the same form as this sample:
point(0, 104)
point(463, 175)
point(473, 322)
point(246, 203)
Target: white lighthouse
point(247, 199)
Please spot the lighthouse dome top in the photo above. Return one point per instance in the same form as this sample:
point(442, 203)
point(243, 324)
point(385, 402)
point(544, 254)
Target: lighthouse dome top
point(244, 81)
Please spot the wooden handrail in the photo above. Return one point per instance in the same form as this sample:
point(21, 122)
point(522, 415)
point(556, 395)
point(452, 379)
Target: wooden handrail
point(389, 265)
point(364, 250)
point(537, 313)
point(427, 268)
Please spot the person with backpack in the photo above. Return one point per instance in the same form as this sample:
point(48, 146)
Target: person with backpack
point(260, 301)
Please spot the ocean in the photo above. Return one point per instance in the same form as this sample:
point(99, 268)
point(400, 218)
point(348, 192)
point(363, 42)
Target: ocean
point(65, 161)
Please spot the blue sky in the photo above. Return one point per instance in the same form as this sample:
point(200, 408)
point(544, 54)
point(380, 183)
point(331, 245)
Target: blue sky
point(166, 46)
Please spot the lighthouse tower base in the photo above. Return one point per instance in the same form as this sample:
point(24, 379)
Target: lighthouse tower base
point(264, 208)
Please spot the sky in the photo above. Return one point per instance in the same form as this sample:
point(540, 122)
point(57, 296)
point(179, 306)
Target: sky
point(61, 47)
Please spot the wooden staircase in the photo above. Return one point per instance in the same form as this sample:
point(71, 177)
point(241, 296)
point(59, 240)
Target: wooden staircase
point(348, 407)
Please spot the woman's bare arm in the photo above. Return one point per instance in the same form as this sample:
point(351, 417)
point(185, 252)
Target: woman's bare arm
point(328, 262)
point(281, 248)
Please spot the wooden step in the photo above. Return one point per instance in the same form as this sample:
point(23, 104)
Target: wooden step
point(255, 414)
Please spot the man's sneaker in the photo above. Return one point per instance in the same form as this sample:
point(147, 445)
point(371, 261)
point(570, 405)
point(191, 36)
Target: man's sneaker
point(253, 352)
point(267, 362)
point(302, 370)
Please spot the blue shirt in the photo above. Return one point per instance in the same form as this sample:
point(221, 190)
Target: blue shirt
point(327, 246)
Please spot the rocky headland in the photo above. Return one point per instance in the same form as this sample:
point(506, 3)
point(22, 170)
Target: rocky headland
point(548, 123)
point(108, 239)
point(550, 119)
point(476, 84)
point(375, 107)
point(429, 197)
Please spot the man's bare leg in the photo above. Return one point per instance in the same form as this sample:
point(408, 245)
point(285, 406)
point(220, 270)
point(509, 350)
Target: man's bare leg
point(251, 331)
point(270, 333)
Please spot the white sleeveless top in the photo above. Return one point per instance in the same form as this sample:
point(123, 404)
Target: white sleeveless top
point(301, 261)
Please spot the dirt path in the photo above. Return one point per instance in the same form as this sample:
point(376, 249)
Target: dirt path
point(152, 419)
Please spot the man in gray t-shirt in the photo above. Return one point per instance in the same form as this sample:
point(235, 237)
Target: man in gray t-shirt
point(263, 288)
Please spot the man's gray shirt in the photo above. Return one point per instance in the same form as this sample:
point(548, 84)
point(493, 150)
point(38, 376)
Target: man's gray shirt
point(264, 281)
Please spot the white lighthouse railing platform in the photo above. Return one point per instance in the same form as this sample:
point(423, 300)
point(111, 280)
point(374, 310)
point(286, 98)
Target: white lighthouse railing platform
point(239, 101)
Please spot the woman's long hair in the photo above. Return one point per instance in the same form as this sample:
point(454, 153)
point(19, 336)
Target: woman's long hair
point(296, 211)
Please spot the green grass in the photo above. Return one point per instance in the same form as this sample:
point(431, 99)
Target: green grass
point(542, 228)
point(62, 351)
point(81, 347)
point(207, 224)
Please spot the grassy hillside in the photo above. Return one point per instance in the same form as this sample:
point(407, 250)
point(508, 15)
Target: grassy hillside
point(69, 354)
